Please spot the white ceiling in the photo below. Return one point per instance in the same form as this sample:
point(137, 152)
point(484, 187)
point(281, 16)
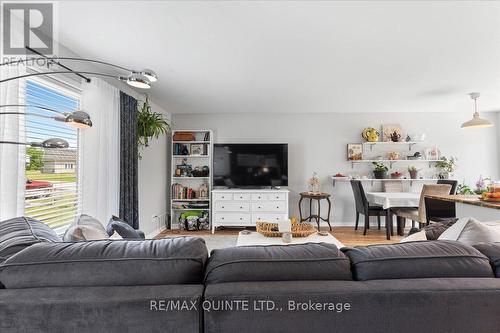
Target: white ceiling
point(277, 56)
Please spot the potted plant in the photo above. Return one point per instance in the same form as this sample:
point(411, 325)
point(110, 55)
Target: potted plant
point(447, 165)
point(464, 189)
point(413, 172)
point(379, 170)
point(150, 124)
point(482, 185)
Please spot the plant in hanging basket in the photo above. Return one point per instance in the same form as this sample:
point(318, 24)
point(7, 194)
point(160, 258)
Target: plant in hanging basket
point(150, 125)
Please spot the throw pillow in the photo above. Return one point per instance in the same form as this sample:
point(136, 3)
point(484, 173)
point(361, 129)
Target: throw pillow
point(417, 236)
point(471, 231)
point(88, 220)
point(80, 233)
point(123, 229)
point(21, 232)
point(435, 229)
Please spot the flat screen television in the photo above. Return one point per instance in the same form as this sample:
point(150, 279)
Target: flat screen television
point(250, 165)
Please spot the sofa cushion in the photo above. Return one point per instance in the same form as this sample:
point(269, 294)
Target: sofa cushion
point(107, 263)
point(21, 232)
point(278, 263)
point(123, 229)
point(423, 259)
point(492, 251)
point(471, 231)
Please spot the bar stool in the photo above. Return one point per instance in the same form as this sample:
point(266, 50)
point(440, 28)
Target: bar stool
point(315, 196)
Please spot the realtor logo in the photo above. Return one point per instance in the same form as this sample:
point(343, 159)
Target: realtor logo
point(27, 24)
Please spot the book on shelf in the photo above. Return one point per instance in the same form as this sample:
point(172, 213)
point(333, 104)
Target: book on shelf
point(184, 192)
point(187, 149)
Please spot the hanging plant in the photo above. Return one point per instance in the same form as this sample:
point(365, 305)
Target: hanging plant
point(150, 125)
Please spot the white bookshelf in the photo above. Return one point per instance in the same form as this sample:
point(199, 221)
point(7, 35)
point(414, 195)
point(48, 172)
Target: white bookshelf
point(177, 204)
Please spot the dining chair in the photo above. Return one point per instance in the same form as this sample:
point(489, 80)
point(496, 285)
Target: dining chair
point(418, 214)
point(363, 207)
point(453, 183)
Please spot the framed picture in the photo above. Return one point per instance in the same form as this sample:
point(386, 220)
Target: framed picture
point(432, 153)
point(196, 149)
point(392, 133)
point(354, 151)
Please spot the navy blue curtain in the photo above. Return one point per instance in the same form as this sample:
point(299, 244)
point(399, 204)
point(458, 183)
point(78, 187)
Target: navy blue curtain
point(129, 192)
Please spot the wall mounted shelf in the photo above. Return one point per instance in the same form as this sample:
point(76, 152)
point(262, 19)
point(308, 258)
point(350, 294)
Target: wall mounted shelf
point(373, 180)
point(410, 144)
point(392, 162)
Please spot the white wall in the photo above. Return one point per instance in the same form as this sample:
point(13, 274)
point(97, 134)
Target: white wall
point(317, 142)
point(154, 171)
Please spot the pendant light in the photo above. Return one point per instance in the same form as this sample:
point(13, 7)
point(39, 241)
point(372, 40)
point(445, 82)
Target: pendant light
point(476, 121)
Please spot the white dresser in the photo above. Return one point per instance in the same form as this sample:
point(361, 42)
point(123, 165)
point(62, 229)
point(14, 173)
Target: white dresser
point(242, 208)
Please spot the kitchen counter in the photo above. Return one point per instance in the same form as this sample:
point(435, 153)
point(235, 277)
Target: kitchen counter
point(467, 199)
point(462, 206)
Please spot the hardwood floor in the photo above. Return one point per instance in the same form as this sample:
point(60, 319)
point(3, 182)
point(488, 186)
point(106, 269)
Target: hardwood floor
point(346, 235)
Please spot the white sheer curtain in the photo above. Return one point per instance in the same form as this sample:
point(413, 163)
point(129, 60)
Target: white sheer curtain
point(100, 151)
point(12, 156)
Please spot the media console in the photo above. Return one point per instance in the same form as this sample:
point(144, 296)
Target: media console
point(243, 208)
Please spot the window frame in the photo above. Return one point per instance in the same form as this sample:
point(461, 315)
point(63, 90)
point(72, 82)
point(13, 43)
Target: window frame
point(75, 92)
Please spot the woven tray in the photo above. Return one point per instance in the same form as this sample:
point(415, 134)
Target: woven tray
point(298, 229)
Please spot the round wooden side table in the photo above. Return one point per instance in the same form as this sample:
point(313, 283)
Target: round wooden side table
point(315, 196)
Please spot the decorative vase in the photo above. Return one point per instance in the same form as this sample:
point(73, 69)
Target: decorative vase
point(380, 174)
point(414, 174)
point(314, 183)
point(444, 175)
point(314, 188)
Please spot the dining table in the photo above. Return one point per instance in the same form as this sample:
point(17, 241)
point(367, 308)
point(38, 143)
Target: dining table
point(393, 200)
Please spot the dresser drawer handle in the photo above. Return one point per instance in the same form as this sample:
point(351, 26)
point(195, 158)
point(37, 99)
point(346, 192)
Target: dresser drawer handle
point(259, 197)
point(259, 207)
point(222, 206)
point(222, 218)
point(241, 207)
point(241, 218)
point(278, 207)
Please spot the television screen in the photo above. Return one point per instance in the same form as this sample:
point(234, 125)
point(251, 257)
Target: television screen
point(250, 165)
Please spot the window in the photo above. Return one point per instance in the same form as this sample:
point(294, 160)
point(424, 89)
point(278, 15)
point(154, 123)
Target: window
point(52, 186)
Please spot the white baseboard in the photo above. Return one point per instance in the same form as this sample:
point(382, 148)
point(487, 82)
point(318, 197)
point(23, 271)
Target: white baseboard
point(154, 233)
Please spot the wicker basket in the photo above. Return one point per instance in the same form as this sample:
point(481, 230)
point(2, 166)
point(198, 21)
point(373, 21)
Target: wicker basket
point(298, 229)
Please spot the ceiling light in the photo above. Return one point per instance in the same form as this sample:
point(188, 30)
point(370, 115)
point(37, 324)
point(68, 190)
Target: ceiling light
point(138, 81)
point(149, 74)
point(49, 143)
point(78, 119)
point(476, 121)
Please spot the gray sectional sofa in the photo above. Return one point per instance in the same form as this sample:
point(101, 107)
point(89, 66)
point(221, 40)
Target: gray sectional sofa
point(170, 285)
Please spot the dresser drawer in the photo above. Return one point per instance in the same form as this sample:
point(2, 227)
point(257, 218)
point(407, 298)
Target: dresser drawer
point(223, 196)
point(241, 196)
point(268, 217)
point(232, 206)
point(259, 196)
point(232, 219)
point(269, 206)
point(277, 196)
